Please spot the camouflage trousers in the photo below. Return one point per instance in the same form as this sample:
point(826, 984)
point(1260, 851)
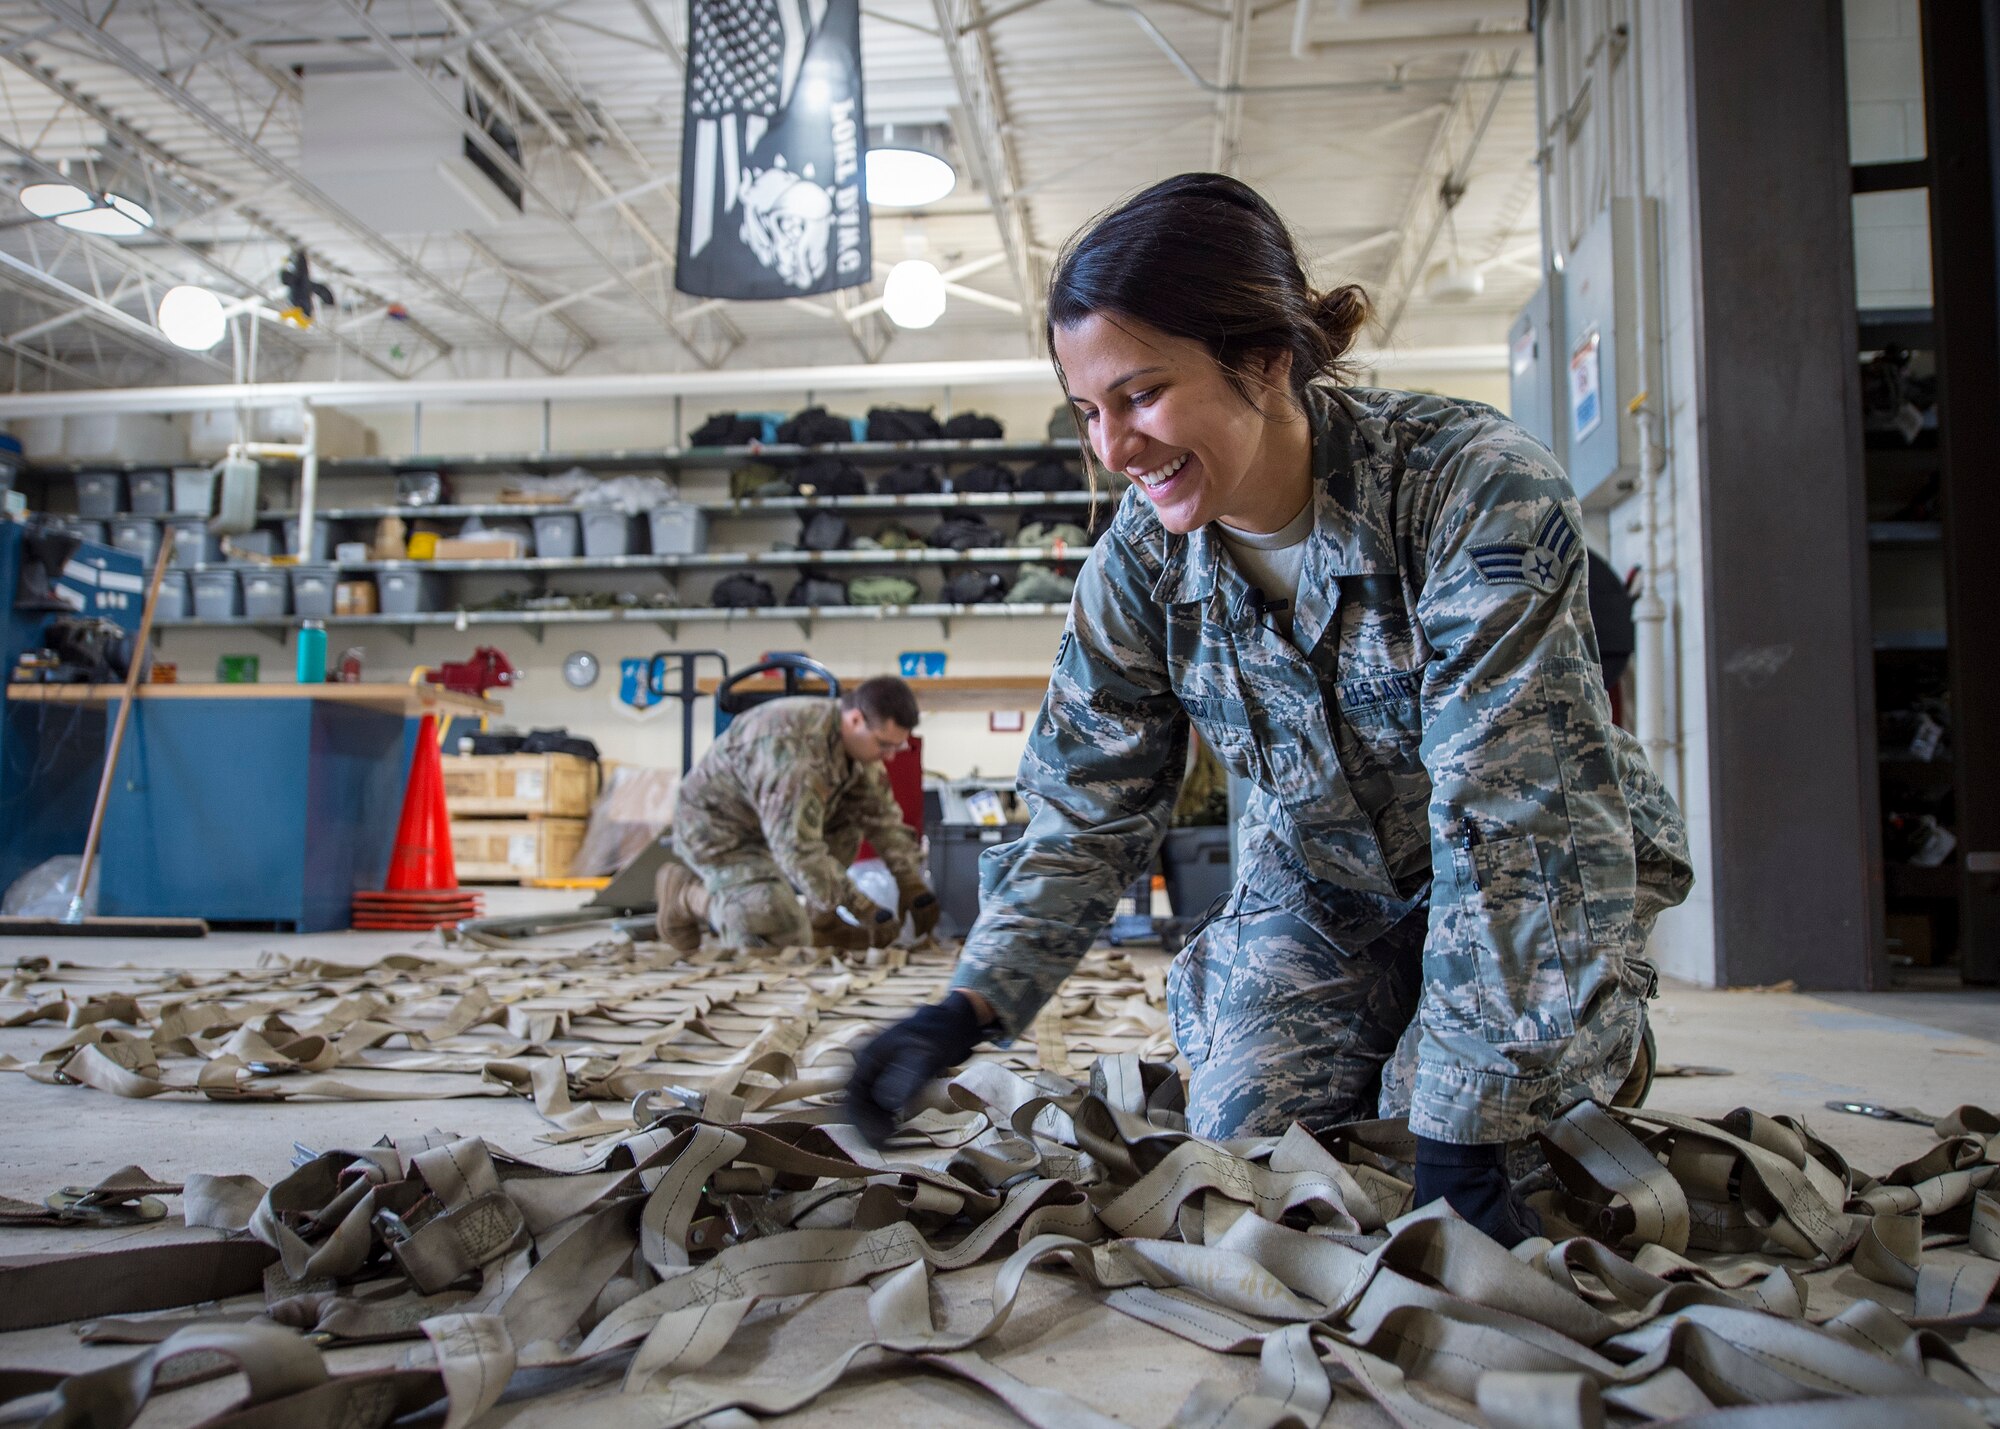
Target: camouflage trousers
point(751, 904)
point(1283, 1018)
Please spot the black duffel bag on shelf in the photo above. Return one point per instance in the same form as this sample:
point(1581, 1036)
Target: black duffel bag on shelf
point(726, 429)
point(1050, 475)
point(909, 479)
point(965, 533)
point(817, 588)
point(557, 741)
point(974, 588)
point(813, 426)
point(987, 478)
point(971, 427)
point(742, 591)
point(823, 531)
point(902, 424)
point(828, 476)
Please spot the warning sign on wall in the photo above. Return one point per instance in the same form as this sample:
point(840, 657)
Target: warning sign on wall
point(1586, 401)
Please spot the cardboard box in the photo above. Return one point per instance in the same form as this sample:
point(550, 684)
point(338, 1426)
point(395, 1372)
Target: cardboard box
point(354, 598)
point(519, 785)
point(514, 850)
point(479, 548)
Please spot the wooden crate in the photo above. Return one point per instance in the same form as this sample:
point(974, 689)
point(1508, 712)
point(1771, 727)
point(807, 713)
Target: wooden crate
point(514, 850)
point(519, 786)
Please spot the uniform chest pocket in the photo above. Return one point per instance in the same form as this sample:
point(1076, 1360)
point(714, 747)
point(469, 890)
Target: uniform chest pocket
point(1524, 990)
point(1383, 711)
point(1225, 727)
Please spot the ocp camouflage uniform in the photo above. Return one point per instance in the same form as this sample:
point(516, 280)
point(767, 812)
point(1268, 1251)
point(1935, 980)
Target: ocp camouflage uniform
point(774, 813)
point(1450, 846)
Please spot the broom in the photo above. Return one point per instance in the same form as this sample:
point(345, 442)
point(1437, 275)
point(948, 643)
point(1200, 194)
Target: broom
point(73, 923)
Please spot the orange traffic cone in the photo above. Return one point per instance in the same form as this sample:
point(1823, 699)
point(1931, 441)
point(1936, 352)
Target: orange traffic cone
point(421, 860)
point(422, 889)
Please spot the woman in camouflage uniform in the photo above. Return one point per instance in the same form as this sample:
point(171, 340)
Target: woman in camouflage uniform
point(1373, 606)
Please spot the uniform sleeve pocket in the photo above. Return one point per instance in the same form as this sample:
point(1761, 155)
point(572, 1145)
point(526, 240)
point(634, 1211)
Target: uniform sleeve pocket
point(1524, 991)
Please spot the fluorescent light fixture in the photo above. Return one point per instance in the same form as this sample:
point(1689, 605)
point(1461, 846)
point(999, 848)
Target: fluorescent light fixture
point(119, 218)
point(54, 200)
point(908, 178)
point(1454, 282)
point(192, 317)
point(913, 295)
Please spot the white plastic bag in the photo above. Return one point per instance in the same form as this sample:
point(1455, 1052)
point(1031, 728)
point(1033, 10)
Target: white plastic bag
point(45, 890)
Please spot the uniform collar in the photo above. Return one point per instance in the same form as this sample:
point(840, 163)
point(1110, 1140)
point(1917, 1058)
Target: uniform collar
point(1354, 465)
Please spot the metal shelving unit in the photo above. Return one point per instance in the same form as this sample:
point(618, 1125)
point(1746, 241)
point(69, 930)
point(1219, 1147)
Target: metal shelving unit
point(941, 453)
point(669, 618)
point(627, 459)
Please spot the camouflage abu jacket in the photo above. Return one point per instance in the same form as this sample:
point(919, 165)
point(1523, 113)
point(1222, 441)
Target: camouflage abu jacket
point(778, 781)
point(1437, 728)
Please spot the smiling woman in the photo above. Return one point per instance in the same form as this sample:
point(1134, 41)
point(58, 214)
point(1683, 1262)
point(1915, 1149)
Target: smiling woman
point(1373, 607)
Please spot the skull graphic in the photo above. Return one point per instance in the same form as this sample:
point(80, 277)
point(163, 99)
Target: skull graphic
point(787, 222)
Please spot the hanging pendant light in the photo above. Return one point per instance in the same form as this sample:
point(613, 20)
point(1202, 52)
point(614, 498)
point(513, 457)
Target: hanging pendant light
point(906, 166)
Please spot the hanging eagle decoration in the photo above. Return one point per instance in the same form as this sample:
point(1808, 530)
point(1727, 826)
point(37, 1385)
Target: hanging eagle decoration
point(303, 292)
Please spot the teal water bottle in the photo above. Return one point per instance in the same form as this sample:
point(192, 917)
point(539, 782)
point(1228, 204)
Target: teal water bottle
point(312, 653)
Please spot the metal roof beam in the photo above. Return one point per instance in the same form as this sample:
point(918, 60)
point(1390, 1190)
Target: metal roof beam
point(983, 133)
point(123, 57)
point(105, 313)
point(1227, 146)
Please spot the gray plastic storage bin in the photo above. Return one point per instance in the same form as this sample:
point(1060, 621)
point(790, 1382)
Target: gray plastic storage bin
point(312, 590)
point(100, 495)
point(194, 490)
point(173, 597)
point(137, 533)
point(261, 542)
point(80, 527)
point(146, 493)
point(322, 538)
point(267, 592)
point(954, 867)
point(607, 531)
point(217, 595)
point(679, 530)
point(194, 543)
point(1198, 869)
point(407, 592)
point(556, 538)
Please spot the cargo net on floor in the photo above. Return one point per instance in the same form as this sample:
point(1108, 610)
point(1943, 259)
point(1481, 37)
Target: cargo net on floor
point(694, 1170)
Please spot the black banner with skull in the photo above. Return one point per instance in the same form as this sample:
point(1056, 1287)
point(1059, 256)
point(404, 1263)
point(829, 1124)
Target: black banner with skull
point(773, 203)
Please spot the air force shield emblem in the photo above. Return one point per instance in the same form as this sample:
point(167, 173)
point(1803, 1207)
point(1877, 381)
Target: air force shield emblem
point(1541, 565)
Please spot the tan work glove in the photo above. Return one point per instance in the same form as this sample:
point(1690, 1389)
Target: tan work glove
point(830, 930)
point(878, 925)
point(922, 908)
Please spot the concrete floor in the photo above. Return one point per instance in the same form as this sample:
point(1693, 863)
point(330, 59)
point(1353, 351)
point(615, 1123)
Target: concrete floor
point(1787, 1053)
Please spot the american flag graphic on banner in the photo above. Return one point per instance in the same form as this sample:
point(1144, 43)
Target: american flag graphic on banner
point(772, 201)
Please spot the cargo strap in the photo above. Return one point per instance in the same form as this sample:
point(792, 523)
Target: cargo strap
point(1685, 1277)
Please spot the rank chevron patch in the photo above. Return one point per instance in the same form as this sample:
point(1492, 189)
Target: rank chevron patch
point(1540, 566)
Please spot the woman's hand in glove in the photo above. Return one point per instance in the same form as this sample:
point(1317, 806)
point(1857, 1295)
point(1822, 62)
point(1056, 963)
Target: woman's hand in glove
point(902, 1060)
point(1472, 1180)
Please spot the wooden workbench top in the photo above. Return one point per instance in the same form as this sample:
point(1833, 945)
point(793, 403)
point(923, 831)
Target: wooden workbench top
point(408, 699)
point(941, 693)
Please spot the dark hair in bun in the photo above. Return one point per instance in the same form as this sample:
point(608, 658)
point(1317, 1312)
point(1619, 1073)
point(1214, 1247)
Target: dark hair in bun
point(1205, 257)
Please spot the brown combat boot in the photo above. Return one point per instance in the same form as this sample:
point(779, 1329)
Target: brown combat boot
point(683, 915)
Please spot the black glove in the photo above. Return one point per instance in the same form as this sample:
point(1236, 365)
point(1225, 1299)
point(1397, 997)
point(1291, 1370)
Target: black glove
point(921, 907)
point(896, 1065)
point(1473, 1181)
